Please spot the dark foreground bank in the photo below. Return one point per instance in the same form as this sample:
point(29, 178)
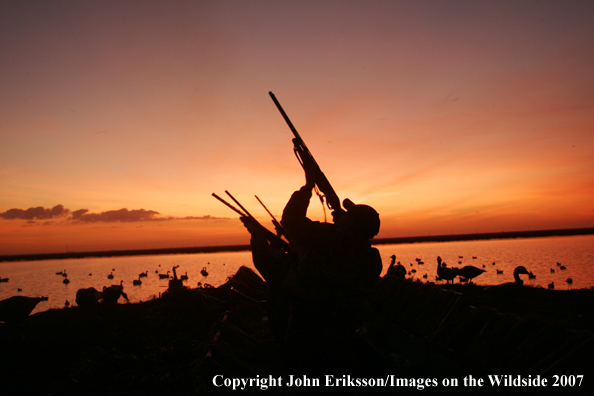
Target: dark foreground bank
point(196, 341)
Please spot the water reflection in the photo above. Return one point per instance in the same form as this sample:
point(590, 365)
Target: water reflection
point(538, 255)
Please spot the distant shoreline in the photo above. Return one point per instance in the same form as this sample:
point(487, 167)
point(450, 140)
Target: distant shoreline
point(239, 248)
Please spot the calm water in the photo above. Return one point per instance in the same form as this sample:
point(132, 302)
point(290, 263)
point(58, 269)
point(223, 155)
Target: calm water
point(538, 255)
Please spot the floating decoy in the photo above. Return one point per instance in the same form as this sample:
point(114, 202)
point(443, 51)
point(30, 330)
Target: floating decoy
point(569, 280)
point(17, 308)
point(552, 271)
point(474, 257)
point(90, 274)
point(204, 272)
point(3, 279)
point(66, 281)
point(470, 272)
point(413, 271)
point(499, 272)
point(558, 264)
point(562, 267)
point(110, 276)
point(137, 282)
point(143, 274)
point(184, 277)
point(396, 269)
point(67, 303)
point(449, 274)
point(19, 289)
point(531, 275)
point(164, 276)
point(551, 285)
point(59, 273)
point(425, 276)
point(64, 274)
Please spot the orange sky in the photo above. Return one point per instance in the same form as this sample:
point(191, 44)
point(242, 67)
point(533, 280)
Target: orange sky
point(447, 117)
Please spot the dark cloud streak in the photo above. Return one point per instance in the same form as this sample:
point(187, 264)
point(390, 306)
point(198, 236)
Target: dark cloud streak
point(83, 215)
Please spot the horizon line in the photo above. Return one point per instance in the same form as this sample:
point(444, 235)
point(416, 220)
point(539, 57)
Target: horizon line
point(238, 248)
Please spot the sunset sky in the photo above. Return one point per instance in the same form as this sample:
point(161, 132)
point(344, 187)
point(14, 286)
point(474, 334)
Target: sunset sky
point(120, 118)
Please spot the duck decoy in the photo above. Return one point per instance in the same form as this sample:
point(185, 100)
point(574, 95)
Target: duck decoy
point(396, 269)
point(449, 274)
point(470, 272)
point(17, 308)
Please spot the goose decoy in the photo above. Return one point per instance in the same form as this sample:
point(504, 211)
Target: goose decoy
point(17, 308)
point(449, 274)
point(396, 269)
point(88, 299)
point(111, 294)
point(509, 289)
point(470, 272)
point(164, 276)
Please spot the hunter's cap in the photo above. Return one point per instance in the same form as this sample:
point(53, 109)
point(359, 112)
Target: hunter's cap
point(365, 218)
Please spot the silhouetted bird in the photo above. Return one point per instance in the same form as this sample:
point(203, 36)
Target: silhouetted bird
point(449, 274)
point(551, 285)
point(164, 276)
point(184, 277)
point(88, 299)
point(143, 274)
point(110, 276)
point(4, 280)
point(562, 267)
point(17, 308)
point(509, 289)
point(531, 275)
point(66, 281)
point(137, 282)
point(111, 294)
point(569, 280)
point(499, 272)
point(470, 272)
point(204, 272)
point(67, 303)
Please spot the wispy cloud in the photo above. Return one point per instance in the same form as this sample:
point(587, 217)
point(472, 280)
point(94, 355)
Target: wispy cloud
point(83, 215)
